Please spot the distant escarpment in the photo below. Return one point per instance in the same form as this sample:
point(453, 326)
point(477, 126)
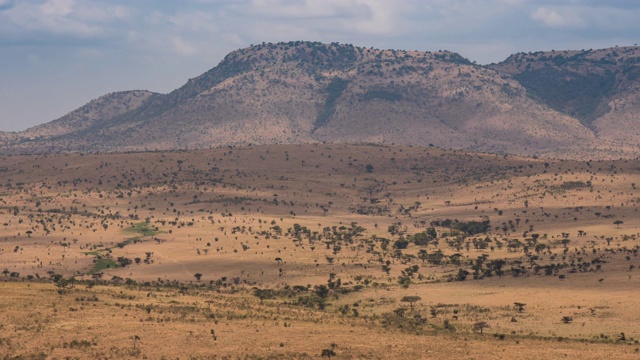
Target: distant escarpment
point(561, 103)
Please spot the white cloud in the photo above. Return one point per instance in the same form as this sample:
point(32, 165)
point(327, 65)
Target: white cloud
point(56, 8)
point(194, 21)
point(182, 47)
point(62, 17)
point(383, 17)
point(102, 14)
point(556, 18)
point(378, 17)
point(302, 9)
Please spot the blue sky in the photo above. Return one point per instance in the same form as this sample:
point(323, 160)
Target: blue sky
point(56, 55)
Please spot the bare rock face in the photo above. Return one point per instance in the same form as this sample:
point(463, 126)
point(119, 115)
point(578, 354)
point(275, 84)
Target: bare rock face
point(568, 104)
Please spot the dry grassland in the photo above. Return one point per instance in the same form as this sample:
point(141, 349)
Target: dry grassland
point(282, 251)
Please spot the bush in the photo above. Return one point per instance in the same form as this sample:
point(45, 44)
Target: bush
point(401, 244)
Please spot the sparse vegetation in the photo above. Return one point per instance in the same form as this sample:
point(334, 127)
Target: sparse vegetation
point(302, 92)
point(265, 249)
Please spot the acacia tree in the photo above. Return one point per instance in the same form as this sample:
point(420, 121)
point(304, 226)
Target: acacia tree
point(63, 284)
point(411, 300)
point(198, 276)
point(480, 326)
point(519, 306)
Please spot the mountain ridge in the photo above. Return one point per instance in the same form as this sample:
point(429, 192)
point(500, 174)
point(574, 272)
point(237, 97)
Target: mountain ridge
point(299, 92)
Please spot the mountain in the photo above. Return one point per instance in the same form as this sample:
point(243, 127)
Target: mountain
point(67, 132)
point(601, 88)
point(575, 105)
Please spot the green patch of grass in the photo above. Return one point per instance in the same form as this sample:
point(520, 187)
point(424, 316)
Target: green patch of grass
point(103, 263)
point(142, 228)
point(129, 241)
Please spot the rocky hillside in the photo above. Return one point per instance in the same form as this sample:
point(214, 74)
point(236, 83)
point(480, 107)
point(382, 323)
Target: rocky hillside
point(601, 88)
point(532, 104)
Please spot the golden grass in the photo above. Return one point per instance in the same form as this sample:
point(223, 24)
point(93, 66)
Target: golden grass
point(231, 215)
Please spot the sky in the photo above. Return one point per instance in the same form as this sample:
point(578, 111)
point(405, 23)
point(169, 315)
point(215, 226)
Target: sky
point(57, 55)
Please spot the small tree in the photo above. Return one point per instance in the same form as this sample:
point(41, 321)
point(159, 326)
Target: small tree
point(423, 255)
point(63, 284)
point(198, 276)
point(480, 326)
point(519, 306)
point(404, 281)
point(618, 223)
point(322, 291)
point(411, 300)
point(400, 311)
point(567, 319)
point(328, 353)
point(135, 338)
point(124, 261)
point(433, 311)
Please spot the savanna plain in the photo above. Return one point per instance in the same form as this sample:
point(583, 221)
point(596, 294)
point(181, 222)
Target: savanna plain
point(318, 251)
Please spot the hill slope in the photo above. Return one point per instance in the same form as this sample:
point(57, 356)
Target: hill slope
point(300, 92)
point(601, 88)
